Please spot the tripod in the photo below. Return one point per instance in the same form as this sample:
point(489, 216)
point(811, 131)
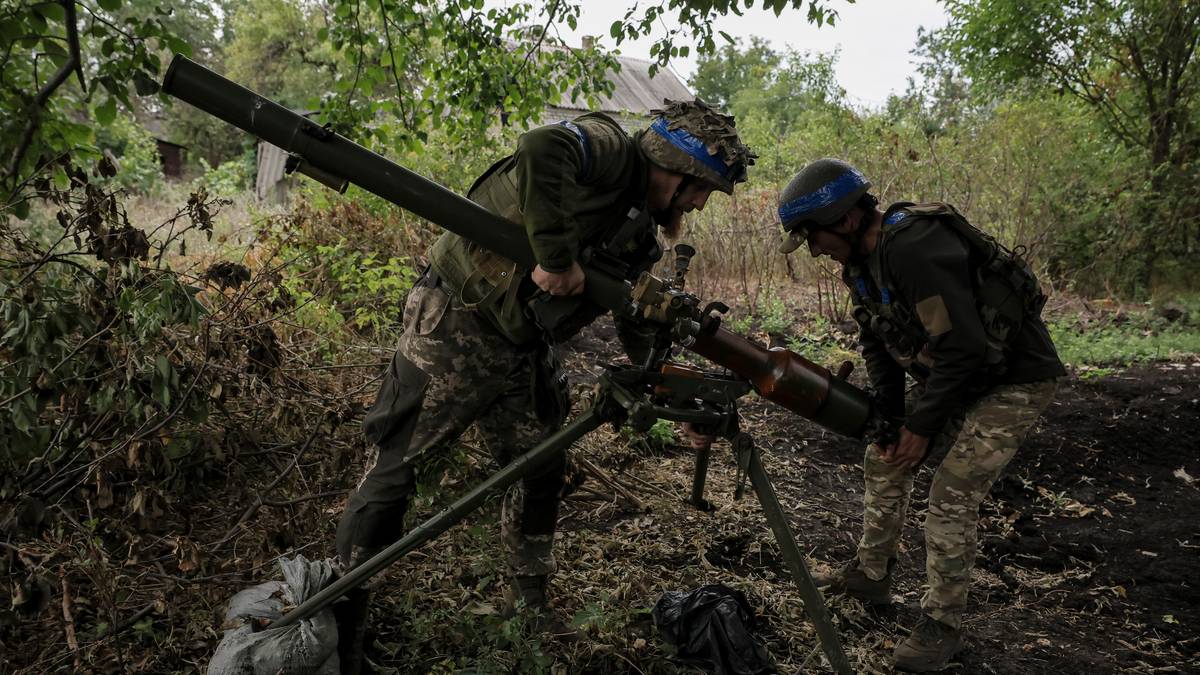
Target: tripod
point(636, 397)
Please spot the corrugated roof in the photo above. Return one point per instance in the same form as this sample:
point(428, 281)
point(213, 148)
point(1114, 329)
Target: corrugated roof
point(634, 90)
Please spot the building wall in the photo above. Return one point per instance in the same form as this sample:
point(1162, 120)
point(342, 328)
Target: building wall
point(171, 157)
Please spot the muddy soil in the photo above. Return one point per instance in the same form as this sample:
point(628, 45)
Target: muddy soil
point(1089, 554)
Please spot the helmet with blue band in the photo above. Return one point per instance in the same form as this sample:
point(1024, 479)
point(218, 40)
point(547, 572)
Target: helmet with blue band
point(819, 196)
point(694, 139)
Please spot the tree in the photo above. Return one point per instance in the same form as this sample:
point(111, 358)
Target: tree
point(723, 74)
point(1133, 62)
point(274, 48)
point(783, 86)
point(96, 57)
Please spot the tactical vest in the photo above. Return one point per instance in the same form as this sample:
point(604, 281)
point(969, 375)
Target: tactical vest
point(501, 289)
point(1005, 288)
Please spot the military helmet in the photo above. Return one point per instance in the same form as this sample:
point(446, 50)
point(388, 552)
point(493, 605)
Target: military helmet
point(694, 139)
point(818, 197)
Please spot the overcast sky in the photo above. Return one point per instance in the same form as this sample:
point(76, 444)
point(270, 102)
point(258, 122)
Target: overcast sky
point(873, 39)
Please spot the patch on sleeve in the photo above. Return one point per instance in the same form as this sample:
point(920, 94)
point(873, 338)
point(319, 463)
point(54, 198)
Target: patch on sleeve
point(933, 315)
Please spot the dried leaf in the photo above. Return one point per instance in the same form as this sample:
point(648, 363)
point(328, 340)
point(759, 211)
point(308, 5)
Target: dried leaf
point(481, 608)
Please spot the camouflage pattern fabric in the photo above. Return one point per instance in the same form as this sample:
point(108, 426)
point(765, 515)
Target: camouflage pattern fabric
point(716, 130)
point(451, 369)
point(981, 441)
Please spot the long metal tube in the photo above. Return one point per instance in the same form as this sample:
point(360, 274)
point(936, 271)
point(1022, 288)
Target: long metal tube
point(447, 518)
point(790, 380)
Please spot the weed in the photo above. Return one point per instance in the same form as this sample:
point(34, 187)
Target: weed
point(1135, 339)
point(774, 316)
point(662, 433)
point(741, 324)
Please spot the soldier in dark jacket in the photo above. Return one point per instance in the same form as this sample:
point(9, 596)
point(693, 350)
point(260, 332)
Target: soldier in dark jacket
point(472, 353)
point(938, 301)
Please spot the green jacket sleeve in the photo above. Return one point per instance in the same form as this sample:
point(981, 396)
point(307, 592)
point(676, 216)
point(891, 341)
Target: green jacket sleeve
point(928, 264)
point(548, 162)
point(556, 174)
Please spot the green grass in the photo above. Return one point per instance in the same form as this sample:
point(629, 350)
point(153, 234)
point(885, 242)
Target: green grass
point(1137, 340)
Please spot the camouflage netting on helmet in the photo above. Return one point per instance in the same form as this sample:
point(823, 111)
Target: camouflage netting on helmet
point(715, 131)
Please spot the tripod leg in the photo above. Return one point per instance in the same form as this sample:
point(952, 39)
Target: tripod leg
point(448, 517)
point(814, 604)
point(698, 500)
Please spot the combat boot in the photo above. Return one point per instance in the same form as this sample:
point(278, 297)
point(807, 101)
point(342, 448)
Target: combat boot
point(527, 596)
point(352, 613)
point(850, 580)
point(929, 647)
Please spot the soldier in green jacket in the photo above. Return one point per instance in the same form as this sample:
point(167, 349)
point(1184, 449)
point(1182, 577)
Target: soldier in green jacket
point(472, 352)
point(941, 302)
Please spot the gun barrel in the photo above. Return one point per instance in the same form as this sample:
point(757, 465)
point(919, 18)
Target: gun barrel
point(790, 380)
point(336, 155)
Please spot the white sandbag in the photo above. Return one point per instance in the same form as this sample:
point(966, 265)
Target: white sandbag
point(307, 647)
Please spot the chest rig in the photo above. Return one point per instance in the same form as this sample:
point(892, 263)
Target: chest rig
point(1005, 288)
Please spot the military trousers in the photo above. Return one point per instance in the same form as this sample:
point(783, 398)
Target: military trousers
point(982, 439)
point(451, 369)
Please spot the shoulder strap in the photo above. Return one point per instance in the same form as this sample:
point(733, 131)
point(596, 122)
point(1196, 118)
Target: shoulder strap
point(982, 244)
point(584, 143)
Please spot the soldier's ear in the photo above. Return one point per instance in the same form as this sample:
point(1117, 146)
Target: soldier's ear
point(845, 224)
point(853, 218)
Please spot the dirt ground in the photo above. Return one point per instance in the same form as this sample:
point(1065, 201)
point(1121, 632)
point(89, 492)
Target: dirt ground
point(1088, 563)
point(1089, 544)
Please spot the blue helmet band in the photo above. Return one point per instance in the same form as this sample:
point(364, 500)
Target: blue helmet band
point(827, 194)
point(694, 147)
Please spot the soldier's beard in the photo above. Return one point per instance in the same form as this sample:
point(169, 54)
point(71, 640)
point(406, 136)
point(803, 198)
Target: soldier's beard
point(670, 220)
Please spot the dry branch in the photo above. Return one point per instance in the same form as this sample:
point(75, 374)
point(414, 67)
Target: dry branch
point(610, 482)
point(260, 500)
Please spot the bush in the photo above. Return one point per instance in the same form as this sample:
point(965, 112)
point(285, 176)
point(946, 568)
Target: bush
point(232, 177)
point(340, 283)
point(139, 167)
point(92, 346)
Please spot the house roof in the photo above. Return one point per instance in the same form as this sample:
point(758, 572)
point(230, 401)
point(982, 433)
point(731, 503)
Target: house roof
point(634, 91)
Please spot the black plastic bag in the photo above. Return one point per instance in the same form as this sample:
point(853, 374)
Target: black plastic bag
point(711, 627)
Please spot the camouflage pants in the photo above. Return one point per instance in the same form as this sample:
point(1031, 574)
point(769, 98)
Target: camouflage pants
point(981, 441)
point(451, 369)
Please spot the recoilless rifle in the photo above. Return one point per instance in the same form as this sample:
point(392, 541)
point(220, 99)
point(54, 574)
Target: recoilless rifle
point(636, 396)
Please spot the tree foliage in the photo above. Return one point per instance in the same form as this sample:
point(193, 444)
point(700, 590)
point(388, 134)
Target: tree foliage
point(64, 65)
point(725, 73)
point(1133, 63)
point(758, 80)
point(693, 23)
